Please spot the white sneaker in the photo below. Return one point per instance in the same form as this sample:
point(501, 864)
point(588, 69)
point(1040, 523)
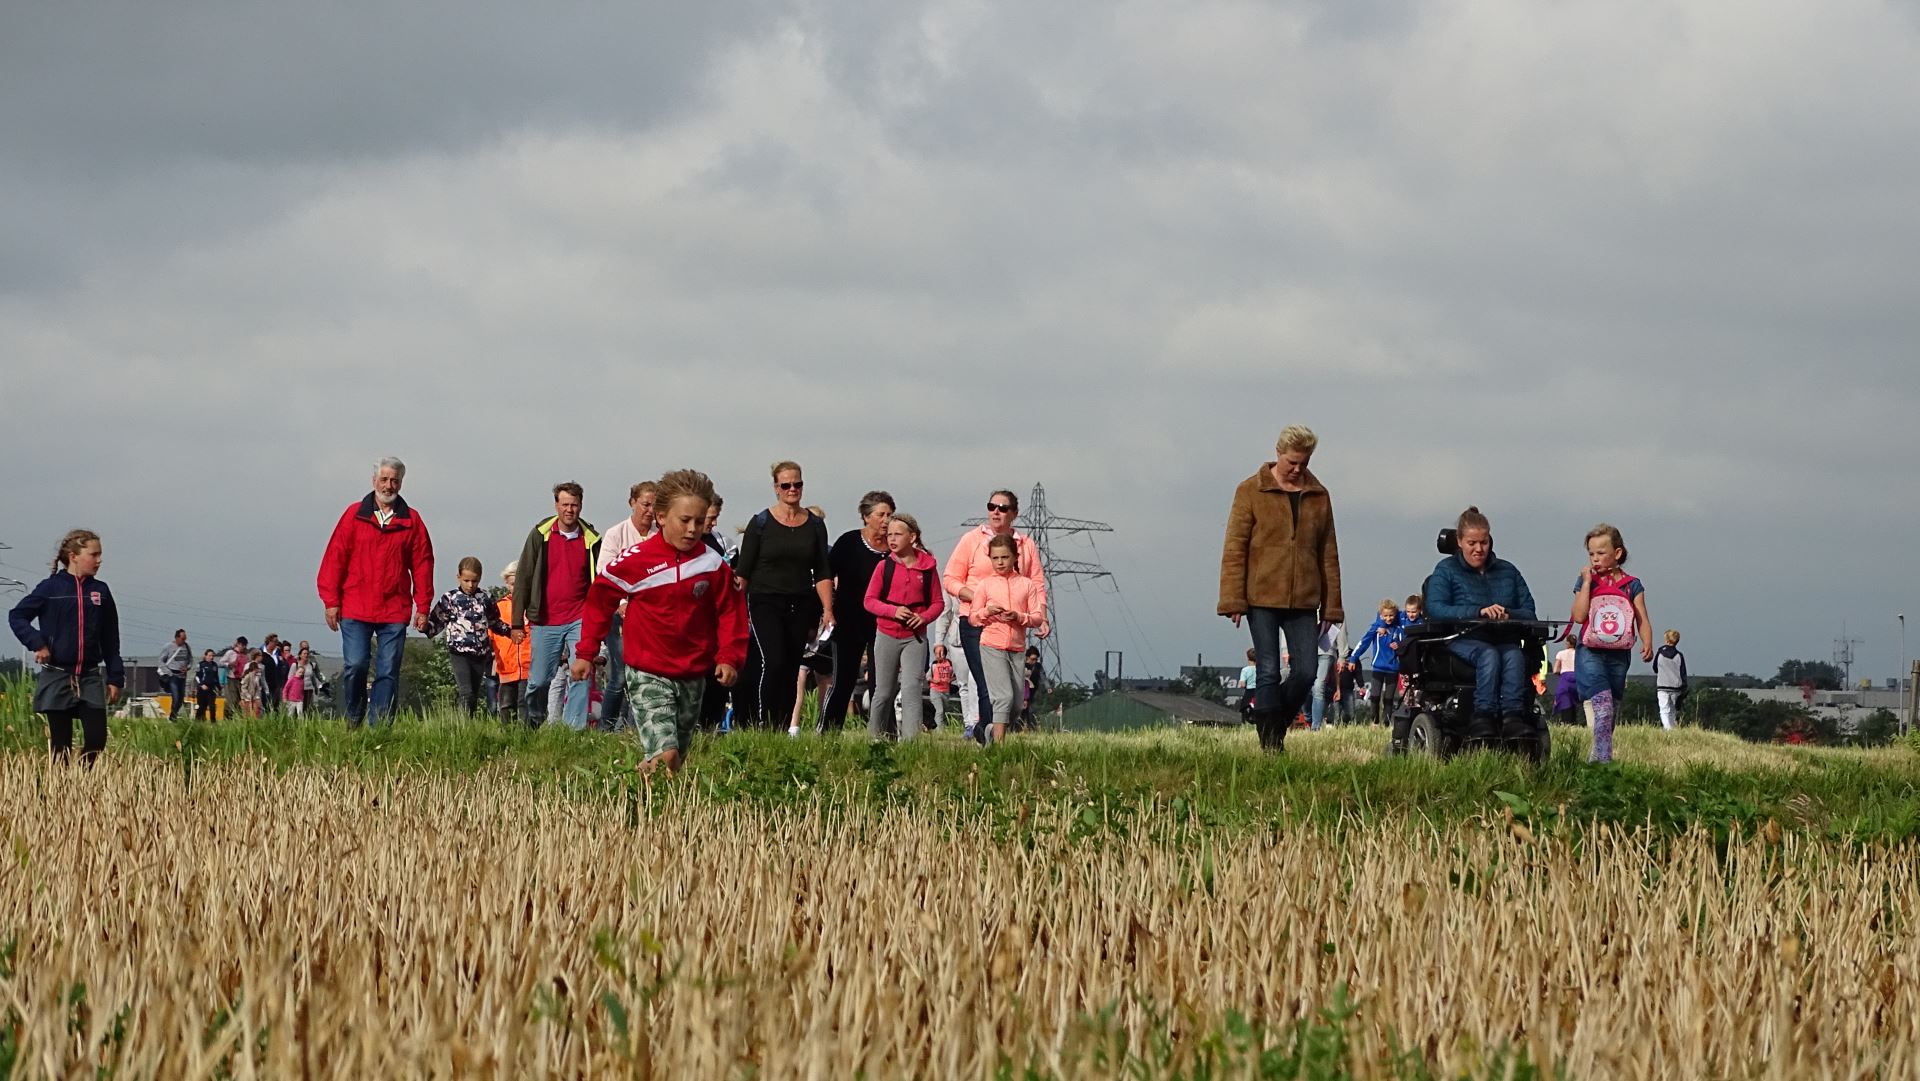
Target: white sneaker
point(793, 730)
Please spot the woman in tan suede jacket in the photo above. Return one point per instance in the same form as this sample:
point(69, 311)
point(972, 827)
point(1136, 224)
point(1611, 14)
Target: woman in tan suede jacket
point(1280, 570)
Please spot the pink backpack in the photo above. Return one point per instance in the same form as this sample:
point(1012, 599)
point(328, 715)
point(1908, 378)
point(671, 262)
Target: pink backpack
point(1609, 616)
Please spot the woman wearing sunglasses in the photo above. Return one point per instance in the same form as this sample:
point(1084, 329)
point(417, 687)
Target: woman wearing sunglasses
point(783, 559)
point(969, 565)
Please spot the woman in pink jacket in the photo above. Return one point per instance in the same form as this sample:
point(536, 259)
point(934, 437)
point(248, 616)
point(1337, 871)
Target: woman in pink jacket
point(1005, 604)
point(904, 596)
point(969, 565)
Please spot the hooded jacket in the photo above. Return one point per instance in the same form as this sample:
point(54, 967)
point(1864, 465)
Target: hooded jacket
point(970, 564)
point(1016, 594)
point(683, 615)
point(371, 572)
point(1456, 591)
point(530, 586)
point(1385, 657)
point(915, 586)
point(1271, 561)
point(1670, 669)
point(79, 625)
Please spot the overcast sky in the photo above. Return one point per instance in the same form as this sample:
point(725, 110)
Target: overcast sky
point(1653, 263)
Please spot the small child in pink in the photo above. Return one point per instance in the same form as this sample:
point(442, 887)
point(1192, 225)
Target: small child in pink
point(1005, 604)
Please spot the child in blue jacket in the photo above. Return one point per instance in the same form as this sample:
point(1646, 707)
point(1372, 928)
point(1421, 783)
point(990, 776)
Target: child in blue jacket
point(1383, 639)
point(78, 631)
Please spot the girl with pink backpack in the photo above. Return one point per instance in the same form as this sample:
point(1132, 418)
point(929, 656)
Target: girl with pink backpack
point(1609, 613)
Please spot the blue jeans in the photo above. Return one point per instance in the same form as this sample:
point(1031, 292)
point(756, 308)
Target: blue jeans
point(1499, 675)
point(1322, 691)
point(176, 688)
point(1596, 670)
point(358, 638)
point(1301, 626)
point(613, 700)
point(553, 649)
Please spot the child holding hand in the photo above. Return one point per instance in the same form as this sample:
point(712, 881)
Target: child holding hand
point(1005, 604)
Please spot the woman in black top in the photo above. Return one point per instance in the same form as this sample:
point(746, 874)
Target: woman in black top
point(853, 559)
point(783, 559)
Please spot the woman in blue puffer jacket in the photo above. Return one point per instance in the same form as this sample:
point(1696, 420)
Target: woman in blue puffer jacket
point(1475, 584)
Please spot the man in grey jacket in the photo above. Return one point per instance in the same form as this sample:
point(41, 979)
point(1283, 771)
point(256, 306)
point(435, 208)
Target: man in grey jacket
point(176, 660)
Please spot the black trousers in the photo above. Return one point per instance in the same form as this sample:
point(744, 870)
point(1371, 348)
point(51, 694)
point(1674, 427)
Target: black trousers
point(469, 676)
point(508, 697)
point(93, 724)
point(713, 705)
point(203, 703)
point(852, 641)
point(781, 624)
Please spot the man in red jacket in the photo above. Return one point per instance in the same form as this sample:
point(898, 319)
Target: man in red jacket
point(376, 577)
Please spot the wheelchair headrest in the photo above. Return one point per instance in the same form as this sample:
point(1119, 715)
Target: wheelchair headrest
point(1448, 542)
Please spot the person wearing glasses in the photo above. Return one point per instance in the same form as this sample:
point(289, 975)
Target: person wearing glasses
point(969, 565)
point(783, 560)
point(1280, 572)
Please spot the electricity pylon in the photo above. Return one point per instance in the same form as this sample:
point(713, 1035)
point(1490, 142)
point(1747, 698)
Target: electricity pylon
point(1037, 521)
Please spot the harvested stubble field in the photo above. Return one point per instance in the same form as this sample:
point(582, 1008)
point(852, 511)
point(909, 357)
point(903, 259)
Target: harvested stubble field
point(824, 910)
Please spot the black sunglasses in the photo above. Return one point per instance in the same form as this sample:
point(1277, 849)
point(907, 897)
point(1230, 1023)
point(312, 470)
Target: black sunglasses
point(792, 485)
point(1003, 508)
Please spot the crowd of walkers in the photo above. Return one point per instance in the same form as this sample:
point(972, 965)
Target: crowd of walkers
point(673, 625)
point(1280, 574)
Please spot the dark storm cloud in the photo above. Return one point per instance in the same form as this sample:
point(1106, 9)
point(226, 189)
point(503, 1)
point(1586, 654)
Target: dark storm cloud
point(1649, 263)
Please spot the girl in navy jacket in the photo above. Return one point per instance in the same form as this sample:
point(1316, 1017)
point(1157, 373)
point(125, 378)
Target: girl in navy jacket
point(78, 631)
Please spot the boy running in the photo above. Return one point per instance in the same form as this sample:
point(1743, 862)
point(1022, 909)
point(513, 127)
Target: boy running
point(684, 621)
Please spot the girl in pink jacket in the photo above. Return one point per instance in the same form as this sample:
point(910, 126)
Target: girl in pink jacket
point(1005, 604)
point(904, 596)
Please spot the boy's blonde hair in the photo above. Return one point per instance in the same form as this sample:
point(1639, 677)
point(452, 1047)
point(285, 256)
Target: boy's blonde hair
point(1296, 437)
point(682, 484)
point(1613, 537)
point(1387, 605)
point(1673, 637)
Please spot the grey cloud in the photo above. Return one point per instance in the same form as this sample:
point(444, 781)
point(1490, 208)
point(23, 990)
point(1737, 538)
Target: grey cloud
point(940, 248)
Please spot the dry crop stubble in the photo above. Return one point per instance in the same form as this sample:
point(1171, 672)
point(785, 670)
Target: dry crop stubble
point(327, 924)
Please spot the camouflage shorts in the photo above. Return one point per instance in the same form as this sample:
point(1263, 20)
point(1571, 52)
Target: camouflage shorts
point(665, 711)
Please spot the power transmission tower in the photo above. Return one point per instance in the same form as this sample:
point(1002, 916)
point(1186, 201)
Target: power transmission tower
point(1047, 529)
point(1843, 657)
point(5, 582)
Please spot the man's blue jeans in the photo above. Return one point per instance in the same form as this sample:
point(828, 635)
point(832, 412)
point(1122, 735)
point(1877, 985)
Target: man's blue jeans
point(553, 650)
point(176, 688)
point(384, 641)
point(1499, 675)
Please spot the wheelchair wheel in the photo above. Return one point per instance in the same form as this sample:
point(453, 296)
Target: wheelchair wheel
point(1426, 736)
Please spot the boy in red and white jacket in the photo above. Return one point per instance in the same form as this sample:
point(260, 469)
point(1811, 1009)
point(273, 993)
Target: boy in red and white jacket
point(684, 621)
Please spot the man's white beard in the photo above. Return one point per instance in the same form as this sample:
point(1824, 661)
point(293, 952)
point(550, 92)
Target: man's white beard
point(383, 499)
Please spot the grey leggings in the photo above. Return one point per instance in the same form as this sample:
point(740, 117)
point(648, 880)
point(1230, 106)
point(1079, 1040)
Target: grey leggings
point(898, 664)
point(1006, 674)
